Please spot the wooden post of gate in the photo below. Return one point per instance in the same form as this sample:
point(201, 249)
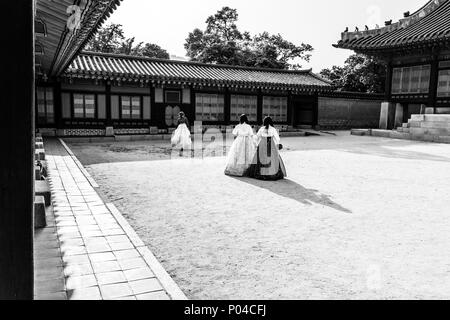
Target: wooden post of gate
point(17, 155)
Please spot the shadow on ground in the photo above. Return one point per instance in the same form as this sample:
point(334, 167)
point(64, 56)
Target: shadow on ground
point(292, 190)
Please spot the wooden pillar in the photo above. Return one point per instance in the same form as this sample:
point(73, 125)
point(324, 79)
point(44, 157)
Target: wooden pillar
point(260, 107)
point(399, 115)
point(17, 155)
point(316, 110)
point(388, 87)
point(227, 111)
point(434, 77)
point(109, 122)
point(59, 122)
point(290, 111)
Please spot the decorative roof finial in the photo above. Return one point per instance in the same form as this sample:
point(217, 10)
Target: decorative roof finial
point(356, 29)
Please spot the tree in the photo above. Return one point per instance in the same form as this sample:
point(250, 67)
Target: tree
point(360, 73)
point(108, 39)
point(222, 42)
point(154, 51)
point(111, 39)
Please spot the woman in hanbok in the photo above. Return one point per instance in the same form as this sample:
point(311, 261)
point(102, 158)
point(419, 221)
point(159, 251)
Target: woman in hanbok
point(242, 150)
point(267, 163)
point(182, 136)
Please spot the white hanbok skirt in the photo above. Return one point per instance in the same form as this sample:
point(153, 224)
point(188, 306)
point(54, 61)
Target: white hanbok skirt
point(181, 138)
point(240, 156)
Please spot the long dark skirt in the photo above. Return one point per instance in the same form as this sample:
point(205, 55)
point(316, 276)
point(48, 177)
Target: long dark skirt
point(267, 164)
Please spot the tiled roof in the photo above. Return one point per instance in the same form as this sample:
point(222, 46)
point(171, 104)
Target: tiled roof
point(126, 68)
point(60, 44)
point(430, 24)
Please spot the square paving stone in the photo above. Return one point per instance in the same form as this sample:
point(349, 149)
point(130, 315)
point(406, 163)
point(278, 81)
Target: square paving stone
point(92, 293)
point(117, 239)
point(121, 245)
point(113, 291)
point(139, 274)
point(98, 247)
point(102, 257)
point(74, 270)
point(74, 260)
point(134, 263)
point(91, 234)
point(113, 232)
point(145, 286)
point(72, 242)
point(106, 266)
point(81, 282)
point(68, 251)
point(126, 254)
point(111, 278)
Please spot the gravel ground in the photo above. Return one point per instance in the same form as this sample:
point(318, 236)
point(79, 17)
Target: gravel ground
point(357, 218)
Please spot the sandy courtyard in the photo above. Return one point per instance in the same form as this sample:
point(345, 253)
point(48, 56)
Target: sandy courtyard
point(357, 218)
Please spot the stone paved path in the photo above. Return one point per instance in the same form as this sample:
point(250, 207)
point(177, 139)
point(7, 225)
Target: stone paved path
point(88, 251)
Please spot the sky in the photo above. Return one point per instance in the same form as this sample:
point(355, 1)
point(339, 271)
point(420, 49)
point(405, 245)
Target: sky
point(316, 22)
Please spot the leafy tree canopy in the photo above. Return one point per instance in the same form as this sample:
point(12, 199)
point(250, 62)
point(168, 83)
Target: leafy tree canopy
point(360, 73)
point(223, 43)
point(111, 39)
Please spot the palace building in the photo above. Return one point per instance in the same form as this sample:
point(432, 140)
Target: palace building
point(417, 53)
point(105, 94)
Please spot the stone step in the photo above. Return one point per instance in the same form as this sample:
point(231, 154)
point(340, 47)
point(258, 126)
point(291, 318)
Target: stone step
point(361, 132)
point(430, 131)
point(40, 220)
point(443, 139)
point(39, 154)
point(436, 125)
point(400, 135)
point(424, 137)
point(381, 133)
point(437, 118)
point(414, 124)
point(43, 165)
point(417, 117)
point(37, 173)
point(43, 189)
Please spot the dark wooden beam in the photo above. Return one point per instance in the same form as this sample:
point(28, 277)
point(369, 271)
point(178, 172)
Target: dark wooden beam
point(388, 87)
point(434, 77)
point(227, 110)
point(17, 156)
